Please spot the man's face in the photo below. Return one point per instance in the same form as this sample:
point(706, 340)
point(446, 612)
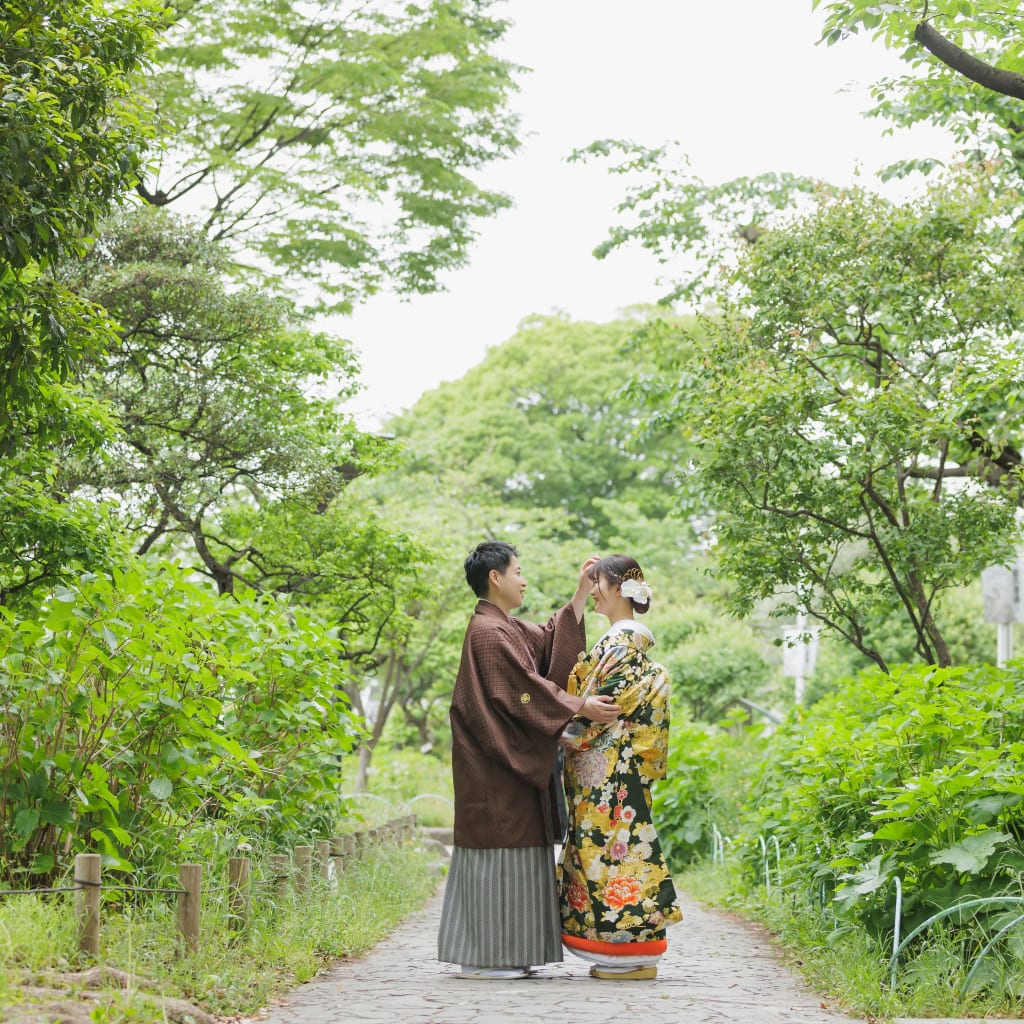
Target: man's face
point(508, 587)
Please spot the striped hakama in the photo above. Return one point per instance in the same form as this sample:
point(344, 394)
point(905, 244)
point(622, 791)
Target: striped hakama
point(500, 908)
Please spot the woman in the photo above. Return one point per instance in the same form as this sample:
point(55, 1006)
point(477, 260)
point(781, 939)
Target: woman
point(615, 892)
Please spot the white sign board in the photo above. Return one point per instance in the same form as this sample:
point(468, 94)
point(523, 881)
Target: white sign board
point(1001, 592)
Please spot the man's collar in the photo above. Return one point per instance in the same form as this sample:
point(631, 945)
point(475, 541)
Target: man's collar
point(483, 604)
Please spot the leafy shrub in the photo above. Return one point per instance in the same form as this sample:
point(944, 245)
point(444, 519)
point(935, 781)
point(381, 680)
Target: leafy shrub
point(139, 714)
point(720, 662)
point(918, 774)
point(709, 772)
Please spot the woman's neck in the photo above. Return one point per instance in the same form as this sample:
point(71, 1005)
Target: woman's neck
point(621, 610)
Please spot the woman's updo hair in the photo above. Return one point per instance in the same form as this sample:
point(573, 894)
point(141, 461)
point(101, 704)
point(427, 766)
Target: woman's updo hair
point(618, 569)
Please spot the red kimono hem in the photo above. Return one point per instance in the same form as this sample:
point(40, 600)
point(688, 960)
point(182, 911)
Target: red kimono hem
point(653, 948)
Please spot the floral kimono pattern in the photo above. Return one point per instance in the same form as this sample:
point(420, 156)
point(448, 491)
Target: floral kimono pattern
point(614, 884)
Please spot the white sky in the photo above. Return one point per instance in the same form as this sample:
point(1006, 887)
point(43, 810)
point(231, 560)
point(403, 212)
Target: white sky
point(741, 84)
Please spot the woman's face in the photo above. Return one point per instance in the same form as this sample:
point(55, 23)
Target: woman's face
point(603, 591)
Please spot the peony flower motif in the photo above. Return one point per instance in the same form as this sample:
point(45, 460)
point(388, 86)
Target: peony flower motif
point(637, 590)
point(576, 896)
point(621, 891)
point(618, 850)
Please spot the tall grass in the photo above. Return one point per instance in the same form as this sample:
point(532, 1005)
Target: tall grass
point(233, 972)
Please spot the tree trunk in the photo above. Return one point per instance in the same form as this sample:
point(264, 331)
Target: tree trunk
point(363, 769)
point(928, 627)
point(422, 725)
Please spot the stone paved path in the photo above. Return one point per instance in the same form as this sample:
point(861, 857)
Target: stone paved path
point(716, 971)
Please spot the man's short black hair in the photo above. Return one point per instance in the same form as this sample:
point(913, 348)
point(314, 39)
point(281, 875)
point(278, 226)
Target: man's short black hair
point(488, 555)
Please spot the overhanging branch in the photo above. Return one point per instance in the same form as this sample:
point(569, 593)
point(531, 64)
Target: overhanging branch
point(1009, 83)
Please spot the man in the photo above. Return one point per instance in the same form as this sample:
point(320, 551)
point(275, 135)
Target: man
point(500, 913)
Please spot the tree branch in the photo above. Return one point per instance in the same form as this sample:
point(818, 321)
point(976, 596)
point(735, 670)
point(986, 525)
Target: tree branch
point(1009, 83)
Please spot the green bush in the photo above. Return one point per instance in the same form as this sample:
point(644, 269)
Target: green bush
point(709, 776)
point(917, 775)
point(140, 715)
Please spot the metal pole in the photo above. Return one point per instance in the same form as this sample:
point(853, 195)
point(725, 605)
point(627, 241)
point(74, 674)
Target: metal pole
point(798, 682)
point(1004, 643)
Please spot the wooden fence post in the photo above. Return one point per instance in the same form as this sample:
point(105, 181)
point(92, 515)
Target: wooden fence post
point(87, 901)
point(323, 858)
point(338, 855)
point(303, 864)
point(280, 865)
point(190, 878)
point(238, 891)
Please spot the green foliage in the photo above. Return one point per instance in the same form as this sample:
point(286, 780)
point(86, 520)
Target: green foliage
point(209, 381)
point(137, 707)
point(225, 447)
point(671, 212)
point(71, 128)
point(412, 782)
point(542, 423)
point(232, 973)
point(339, 140)
point(74, 131)
point(718, 661)
point(857, 374)
point(915, 775)
point(985, 123)
point(46, 533)
point(705, 796)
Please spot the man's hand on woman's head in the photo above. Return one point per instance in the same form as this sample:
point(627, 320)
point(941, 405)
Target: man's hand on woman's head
point(584, 580)
point(579, 599)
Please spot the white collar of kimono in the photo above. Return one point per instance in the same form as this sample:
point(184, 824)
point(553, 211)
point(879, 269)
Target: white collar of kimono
point(630, 624)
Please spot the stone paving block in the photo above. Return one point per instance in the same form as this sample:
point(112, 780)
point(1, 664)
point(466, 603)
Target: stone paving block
point(717, 971)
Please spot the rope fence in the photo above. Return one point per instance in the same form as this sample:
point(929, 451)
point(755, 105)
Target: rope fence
point(324, 860)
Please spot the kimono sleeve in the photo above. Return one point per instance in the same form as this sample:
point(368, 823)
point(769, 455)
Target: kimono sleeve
point(650, 736)
point(556, 645)
point(607, 676)
point(513, 713)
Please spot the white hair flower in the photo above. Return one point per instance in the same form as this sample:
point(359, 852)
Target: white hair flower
point(636, 590)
